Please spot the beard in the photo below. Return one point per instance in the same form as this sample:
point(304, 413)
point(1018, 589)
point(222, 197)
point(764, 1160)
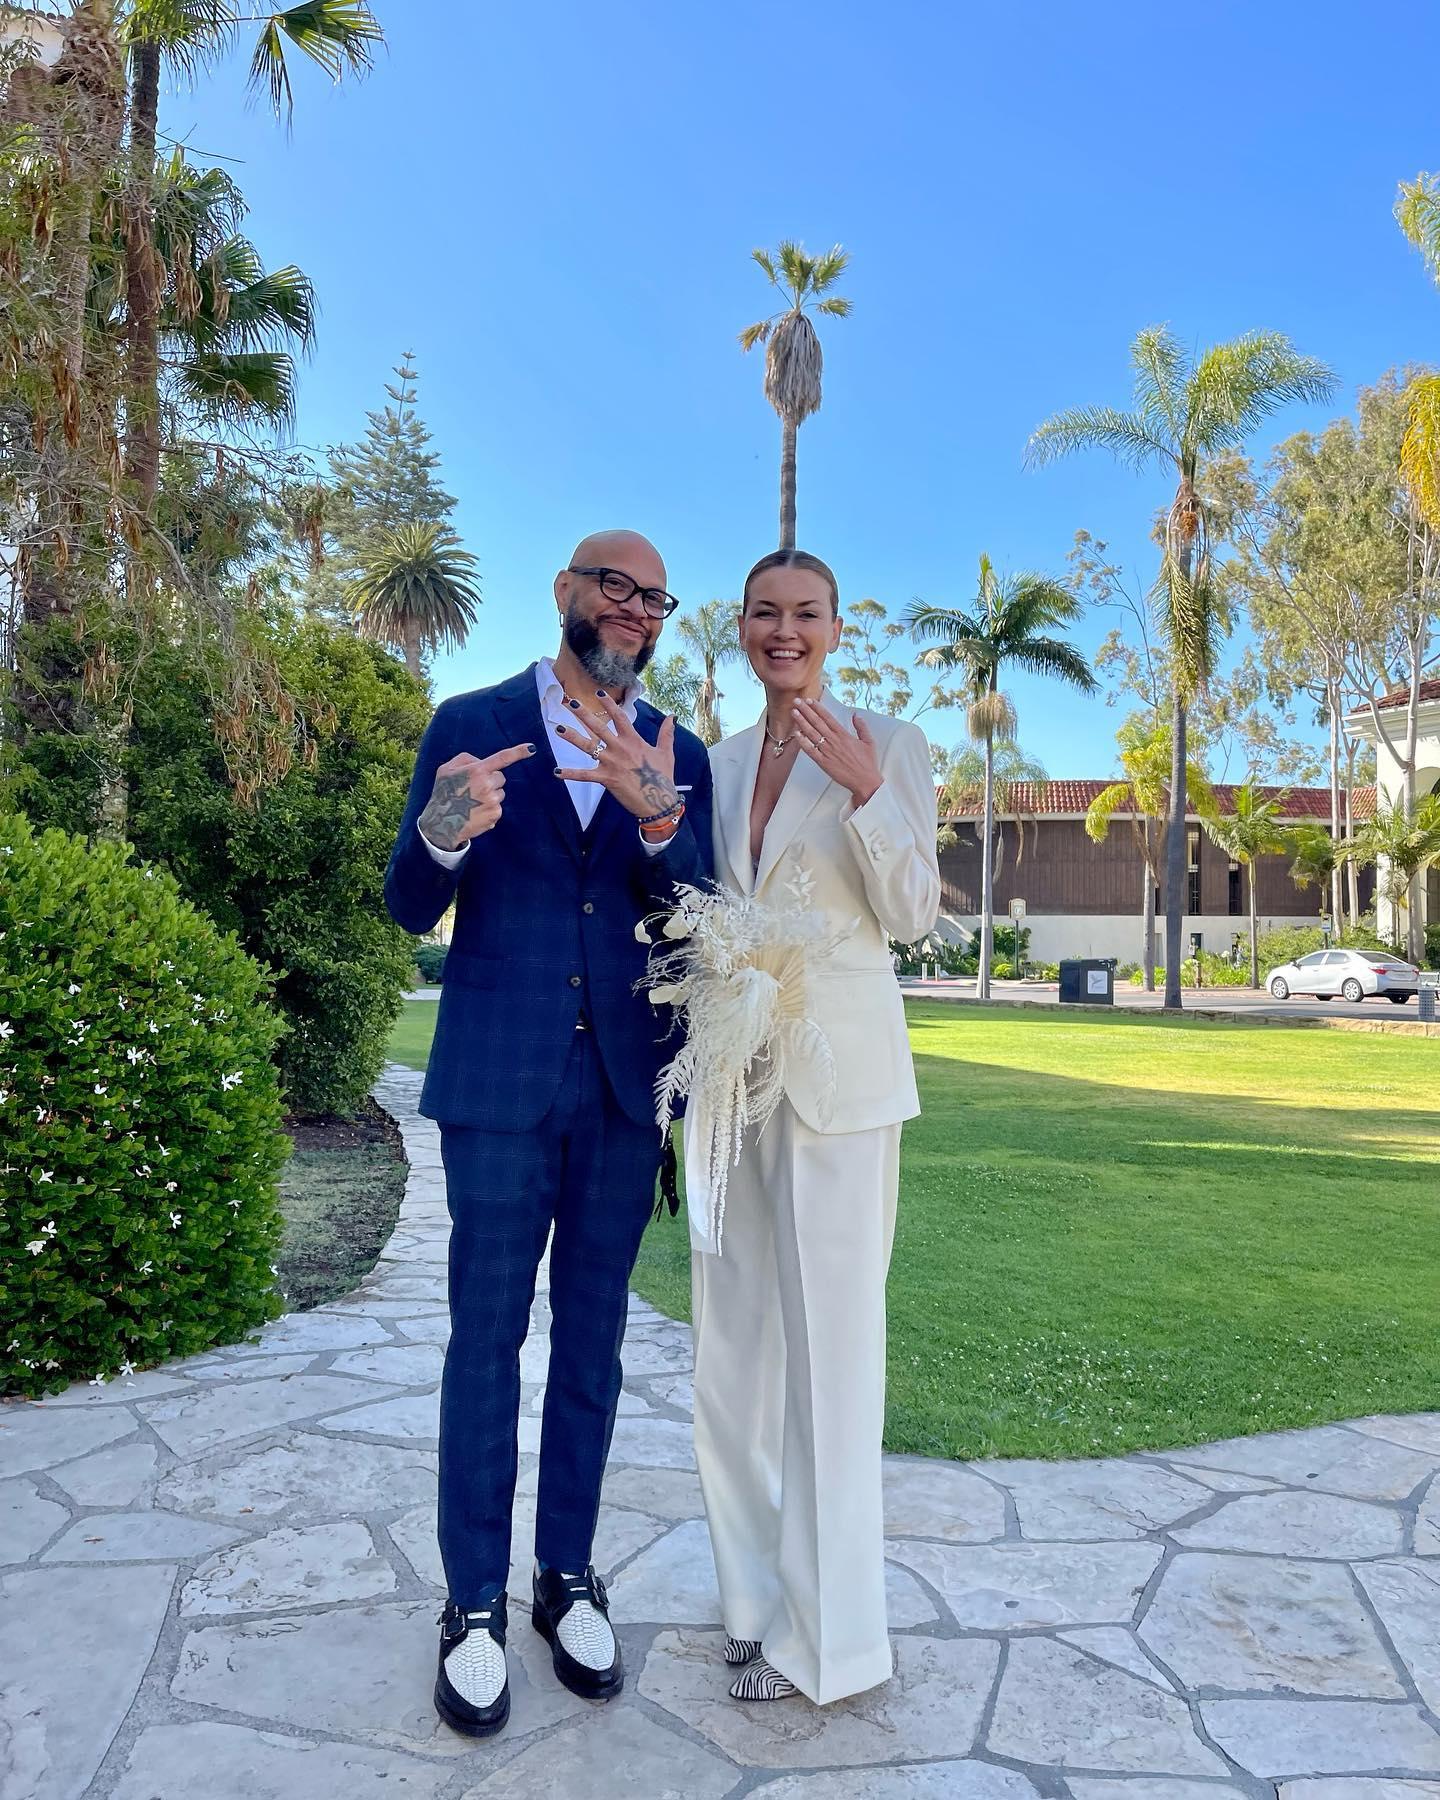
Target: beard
point(608, 668)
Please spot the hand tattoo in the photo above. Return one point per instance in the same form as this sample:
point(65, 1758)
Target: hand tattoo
point(657, 789)
point(445, 818)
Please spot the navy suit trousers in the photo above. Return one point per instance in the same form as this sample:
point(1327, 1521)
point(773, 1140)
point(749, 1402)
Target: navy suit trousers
point(588, 1170)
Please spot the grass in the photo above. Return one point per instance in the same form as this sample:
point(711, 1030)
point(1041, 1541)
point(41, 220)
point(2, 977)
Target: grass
point(1126, 1232)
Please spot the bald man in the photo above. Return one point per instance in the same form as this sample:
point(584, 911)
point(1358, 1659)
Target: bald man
point(554, 810)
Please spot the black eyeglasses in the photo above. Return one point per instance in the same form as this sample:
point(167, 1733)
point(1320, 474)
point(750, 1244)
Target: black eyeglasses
point(616, 585)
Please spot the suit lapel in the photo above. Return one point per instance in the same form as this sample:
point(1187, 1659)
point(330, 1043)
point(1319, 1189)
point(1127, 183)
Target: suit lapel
point(738, 770)
point(518, 715)
point(805, 784)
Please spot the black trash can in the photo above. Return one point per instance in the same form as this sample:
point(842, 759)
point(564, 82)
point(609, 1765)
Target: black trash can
point(1087, 981)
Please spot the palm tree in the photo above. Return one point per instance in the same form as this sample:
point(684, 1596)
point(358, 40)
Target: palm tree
point(710, 634)
point(1252, 830)
point(1417, 208)
point(673, 686)
point(1143, 795)
point(418, 591)
point(793, 360)
point(1314, 859)
point(1008, 626)
point(1401, 841)
point(1184, 413)
point(336, 34)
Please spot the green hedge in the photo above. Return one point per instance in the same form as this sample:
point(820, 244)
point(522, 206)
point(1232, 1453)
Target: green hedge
point(140, 1119)
point(430, 961)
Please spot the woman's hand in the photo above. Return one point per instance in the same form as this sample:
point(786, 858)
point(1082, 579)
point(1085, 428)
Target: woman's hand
point(848, 758)
point(640, 775)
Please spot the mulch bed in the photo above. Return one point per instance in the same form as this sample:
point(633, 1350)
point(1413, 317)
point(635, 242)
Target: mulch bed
point(340, 1193)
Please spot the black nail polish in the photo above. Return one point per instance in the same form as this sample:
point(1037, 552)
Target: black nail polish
point(599, 693)
point(573, 703)
point(530, 748)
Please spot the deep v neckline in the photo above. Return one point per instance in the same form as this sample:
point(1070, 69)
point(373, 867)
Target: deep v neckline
point(757, 845)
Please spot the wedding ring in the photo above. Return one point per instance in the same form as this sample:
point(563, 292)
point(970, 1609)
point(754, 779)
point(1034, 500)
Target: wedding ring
point(819, 743)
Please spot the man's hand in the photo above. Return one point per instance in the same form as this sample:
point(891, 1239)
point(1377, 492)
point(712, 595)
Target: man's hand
point(468, 796)
point(848, 758)
point(641, 776)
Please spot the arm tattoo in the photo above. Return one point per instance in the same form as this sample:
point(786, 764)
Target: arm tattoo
point(656, 787)
point(448, 813)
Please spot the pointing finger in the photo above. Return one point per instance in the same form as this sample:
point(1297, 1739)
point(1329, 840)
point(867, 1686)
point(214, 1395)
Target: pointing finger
point(502, 759)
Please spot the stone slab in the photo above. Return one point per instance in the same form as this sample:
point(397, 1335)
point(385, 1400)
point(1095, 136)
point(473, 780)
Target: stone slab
point(407, 1417)
point(1360, 1787)
point(671, 1583)
point(617, 1753)
point(1062, 1709)
point(1010, 1587)
point(1290, 1524)
point(907, 1605)
point(653, 1444)
point(314, 1331)
point(1427, 1521)
point(1113, 1644)
point(50, 1747)
point(1327, 1457)
point(204, 1421)
point(1247, 1622)
point(306, 1477)
point(115, 1477)
point(932, 1705)
point(39, 1437)
point(1416, 1431)
point(666, 1493)
point(181, 1762)
point(27, 1521)
point(965, 1780)
point(1144, 1787)
point(1278, 1738)
point(122, 1390)
point(312, 1565)
point(1099, 1501)
point(253, 1368)
point(1406, 1595)
point(941, 1500)
point(138, 1537)
point(403, 1365)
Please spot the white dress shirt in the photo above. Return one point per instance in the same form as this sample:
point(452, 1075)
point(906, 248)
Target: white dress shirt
point(584, 795)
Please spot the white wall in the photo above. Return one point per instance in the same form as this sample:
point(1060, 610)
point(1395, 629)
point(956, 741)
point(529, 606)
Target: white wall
point(1054, 936)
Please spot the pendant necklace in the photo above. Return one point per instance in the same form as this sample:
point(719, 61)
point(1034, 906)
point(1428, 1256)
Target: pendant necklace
point(779, 743)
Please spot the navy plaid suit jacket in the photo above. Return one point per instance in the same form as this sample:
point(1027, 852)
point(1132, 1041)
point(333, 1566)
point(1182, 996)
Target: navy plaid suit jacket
point(545, 920)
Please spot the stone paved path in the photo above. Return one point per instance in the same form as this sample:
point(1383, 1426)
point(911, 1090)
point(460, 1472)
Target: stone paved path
point(220, 1579)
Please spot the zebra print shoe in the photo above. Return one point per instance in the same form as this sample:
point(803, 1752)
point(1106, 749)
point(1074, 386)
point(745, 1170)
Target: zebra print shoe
point(760, 1682)
point(739, 1651)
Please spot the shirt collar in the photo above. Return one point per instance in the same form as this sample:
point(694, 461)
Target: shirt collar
point(548, 686)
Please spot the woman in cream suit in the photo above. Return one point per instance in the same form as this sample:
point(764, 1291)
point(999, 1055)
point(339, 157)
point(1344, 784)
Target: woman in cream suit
point(790, 1317)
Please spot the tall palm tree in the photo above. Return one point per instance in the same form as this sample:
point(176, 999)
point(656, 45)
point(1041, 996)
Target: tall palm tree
point(1401, 841)
point(335, 34)
point(1008, 627)
point(793, 359)
point(418, 591)
point(672, 685)
point(1184, 413)
point(712, 636)
point(1417, 208)
point(1251, 831)
point(1143, 795)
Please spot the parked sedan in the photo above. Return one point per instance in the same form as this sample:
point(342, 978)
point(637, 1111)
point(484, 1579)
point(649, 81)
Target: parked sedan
point(1346, 974)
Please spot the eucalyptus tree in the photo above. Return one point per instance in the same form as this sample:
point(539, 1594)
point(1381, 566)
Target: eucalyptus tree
point(1185, 412)
point(1008, 627)
point(794, 361)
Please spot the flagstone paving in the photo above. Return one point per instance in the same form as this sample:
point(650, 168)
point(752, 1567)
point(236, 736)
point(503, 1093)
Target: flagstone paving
point(220, 1578)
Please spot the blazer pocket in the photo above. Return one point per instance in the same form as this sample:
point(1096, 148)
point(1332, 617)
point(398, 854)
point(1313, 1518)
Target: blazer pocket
point(472, 971)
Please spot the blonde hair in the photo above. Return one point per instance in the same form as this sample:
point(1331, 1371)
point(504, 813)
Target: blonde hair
point(794, 559)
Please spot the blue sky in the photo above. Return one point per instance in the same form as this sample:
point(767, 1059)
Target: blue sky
point(553, 206)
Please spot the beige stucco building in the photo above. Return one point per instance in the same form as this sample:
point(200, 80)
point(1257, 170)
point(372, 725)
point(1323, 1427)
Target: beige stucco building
point(1389, 742)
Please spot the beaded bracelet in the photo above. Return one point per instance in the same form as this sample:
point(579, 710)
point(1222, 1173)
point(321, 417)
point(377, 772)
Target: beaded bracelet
point(672, 816)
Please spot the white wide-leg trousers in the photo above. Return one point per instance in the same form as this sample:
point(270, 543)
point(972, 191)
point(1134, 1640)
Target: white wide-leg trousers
point(790, 1400)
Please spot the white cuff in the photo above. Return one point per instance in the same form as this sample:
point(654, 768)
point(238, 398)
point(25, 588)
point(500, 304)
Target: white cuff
point(655, 849)
point(447, 859)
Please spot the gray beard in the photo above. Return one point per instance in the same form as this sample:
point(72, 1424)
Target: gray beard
point(607, 668)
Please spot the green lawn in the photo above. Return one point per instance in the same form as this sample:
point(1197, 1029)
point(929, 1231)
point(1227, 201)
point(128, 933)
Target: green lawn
point(1124, 1232)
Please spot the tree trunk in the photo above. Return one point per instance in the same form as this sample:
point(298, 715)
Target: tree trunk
point(1147, 913)
point(788, 433)
point(1175, 845)
point(1254, 926)
point(142, 286)
point(987, 873)
point(1332, 701)
point(1352, 873)
point(412, 650)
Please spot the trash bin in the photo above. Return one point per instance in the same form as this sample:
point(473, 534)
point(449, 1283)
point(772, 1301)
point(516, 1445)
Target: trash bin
point(1425, 1000)
point(1087, 981)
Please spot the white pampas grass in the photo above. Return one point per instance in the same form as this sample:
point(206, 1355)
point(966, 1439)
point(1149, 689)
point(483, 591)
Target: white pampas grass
point(739, 978)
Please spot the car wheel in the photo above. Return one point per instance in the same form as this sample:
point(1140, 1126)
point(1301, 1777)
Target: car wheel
point(1353, 991)
point(1397, 999)
point(1280, 989)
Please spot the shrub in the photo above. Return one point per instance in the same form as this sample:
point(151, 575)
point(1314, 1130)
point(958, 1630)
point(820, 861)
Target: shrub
point(1432, 946)
point(430, 961)
point(1290, 942)
point(140, 1113)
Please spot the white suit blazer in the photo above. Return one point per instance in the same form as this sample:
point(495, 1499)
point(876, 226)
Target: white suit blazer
point(875, 864)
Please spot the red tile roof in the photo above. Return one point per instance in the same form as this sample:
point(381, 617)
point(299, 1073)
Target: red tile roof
point(1061, 799)
point(1429, 690)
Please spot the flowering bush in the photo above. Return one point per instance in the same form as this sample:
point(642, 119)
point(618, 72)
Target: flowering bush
point(139, 1119)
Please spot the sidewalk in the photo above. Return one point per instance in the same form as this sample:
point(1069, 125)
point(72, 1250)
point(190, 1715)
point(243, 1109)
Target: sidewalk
point(220, 1579)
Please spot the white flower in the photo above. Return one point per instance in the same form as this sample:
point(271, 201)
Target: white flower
point(664, 996)
point(35, 1246)
point(174, 1221)
point(642, 933)
point(133, 1056)
point(146, 1267)
point(170, 1186)
point(235, 1205)
point(47, 1174)
point(74, 988)
point(678, 924)
point(127, 1367)
point(48, 1228)
point(97, 1381)
point(4, 1095)
point(161, 1148)
point(149, 874)
point(144, 1168)
point(6, 1029)
point(102, 1087)
point(151, 1025)
point(230, 1081)
point(124, 1003)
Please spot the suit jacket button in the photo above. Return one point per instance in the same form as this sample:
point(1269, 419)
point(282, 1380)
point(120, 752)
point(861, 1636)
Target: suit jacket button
point(574, 981)
point(588, 907)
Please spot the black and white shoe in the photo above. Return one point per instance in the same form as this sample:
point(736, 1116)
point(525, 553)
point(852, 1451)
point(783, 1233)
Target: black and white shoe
point(759, 1681)
point(572, 1614)
point(739, 1651)
point(472, 1686)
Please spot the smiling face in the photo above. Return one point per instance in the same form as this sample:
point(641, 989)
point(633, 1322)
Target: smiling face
point(788, 628)
point(611, 639)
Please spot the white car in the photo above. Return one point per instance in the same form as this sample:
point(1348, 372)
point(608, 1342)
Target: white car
point(1347, 975)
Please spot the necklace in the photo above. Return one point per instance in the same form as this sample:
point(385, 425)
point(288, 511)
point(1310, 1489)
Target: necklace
point(779, 743)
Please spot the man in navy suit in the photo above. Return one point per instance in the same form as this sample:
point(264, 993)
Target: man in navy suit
point(555, 810)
